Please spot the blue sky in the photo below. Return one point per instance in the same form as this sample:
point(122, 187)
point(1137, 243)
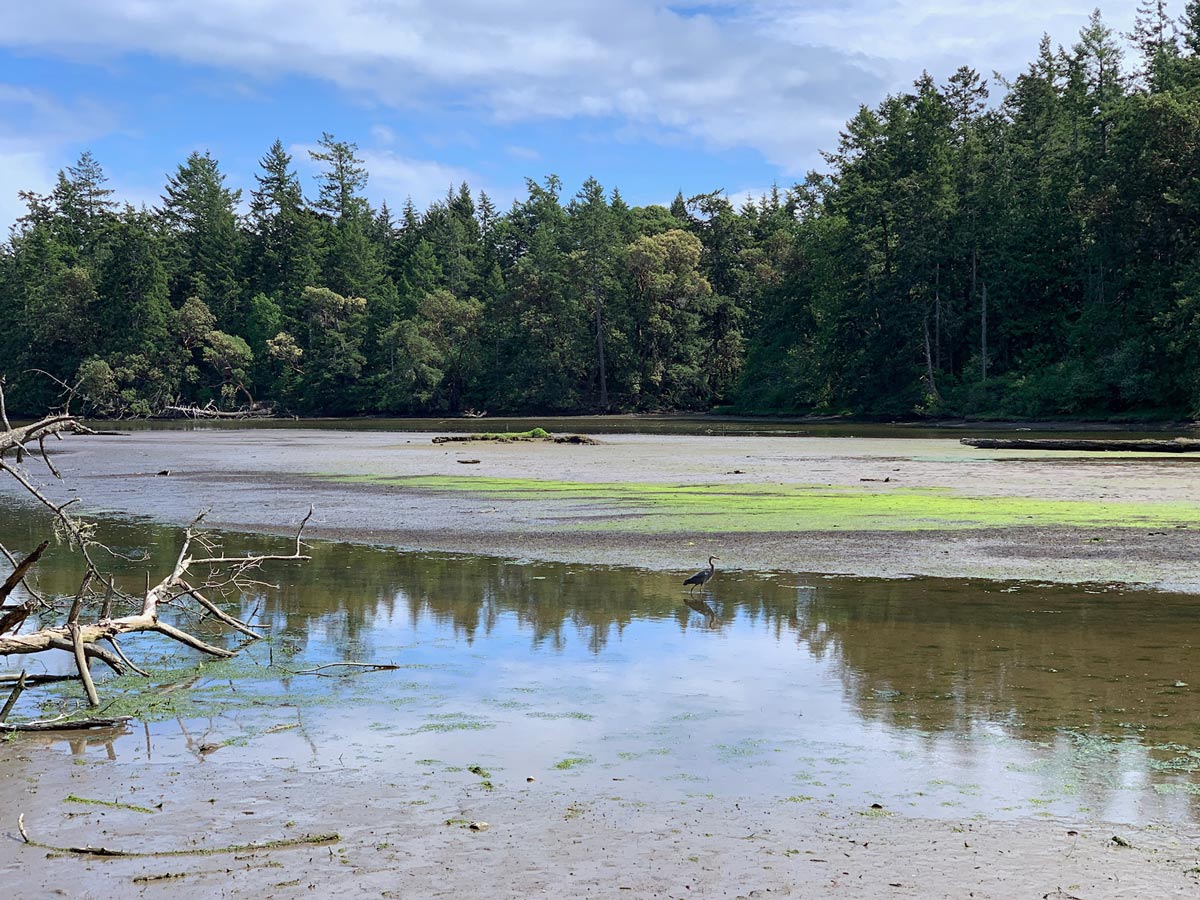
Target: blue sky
point(647, 96)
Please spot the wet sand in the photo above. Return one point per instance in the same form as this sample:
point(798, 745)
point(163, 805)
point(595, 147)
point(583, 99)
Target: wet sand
point(263, 480)
point(544, 839)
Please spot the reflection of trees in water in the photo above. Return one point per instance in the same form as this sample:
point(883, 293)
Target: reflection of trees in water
point(926, 655)
point(353, 589)
point(348, 591)
point(956, 655)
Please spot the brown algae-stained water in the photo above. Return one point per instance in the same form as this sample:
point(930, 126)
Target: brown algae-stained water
point(938, 698)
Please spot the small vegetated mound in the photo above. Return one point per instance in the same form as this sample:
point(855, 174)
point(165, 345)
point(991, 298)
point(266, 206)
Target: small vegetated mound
point(509, 437)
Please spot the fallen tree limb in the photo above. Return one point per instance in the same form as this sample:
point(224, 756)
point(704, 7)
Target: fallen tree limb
point(31, 680)
point(307, 840)
point(80, 639)
point(147, 619)
point(365, 667)
point(58, 423)
point(1177, 445)
point(81, 662)
point(210, 412)
point(201, 572)
point(221, 615)
point(200, 873)
point(18, 574)
point(13, 697)
point(67, 724)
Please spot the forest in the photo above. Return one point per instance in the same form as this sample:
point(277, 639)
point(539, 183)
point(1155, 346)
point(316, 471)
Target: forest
point(984, 247)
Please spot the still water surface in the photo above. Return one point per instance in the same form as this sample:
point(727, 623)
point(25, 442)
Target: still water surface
point(729, 426)
point(931, 697)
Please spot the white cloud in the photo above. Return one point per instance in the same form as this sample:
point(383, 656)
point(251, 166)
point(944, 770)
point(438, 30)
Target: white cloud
point(779, 76)
point(35, 130)
point(939, 35)
point(395, 178)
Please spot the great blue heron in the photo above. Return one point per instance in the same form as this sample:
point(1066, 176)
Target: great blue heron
point(702, 577)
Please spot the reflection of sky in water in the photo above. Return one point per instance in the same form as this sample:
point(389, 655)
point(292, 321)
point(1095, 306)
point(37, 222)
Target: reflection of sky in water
point(936, 698)
point(669, 713)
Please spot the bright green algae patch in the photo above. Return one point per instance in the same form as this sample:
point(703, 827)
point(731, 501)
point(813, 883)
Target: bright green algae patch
point(651, 507)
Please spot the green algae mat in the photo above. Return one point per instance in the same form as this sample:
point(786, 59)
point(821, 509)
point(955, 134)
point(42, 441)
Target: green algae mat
point(650, 507)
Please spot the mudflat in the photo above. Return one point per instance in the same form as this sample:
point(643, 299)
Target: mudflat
point(869, 506)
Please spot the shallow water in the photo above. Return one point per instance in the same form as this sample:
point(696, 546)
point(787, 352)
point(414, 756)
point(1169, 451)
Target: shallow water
point(931, 697)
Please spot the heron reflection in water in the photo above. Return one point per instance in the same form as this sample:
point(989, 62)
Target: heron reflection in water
point(710, 616)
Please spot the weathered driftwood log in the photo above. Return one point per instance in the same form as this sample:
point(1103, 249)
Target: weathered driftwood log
point(80, 639)
point(20, 438)
point(1177, 445)
point(18, 575)
point(306, 840)
point(194, 578)
point(66, 724)
point(211, 412)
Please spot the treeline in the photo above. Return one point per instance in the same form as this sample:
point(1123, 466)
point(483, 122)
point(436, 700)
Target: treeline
point(1032, 254)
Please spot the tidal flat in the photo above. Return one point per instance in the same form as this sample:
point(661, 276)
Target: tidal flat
point(786, 729)
point(887, 506)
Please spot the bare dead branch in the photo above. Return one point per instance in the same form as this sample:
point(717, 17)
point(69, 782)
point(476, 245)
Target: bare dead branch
point(4, 407)
point(218, 613)
point(190, 596)
point(75, 530)
point(19, 572)
point(125, 659)
point(365, 667)
point(194, 642)
point(85, 674)
point(29, 589)
point(46, 457)
point(65, 724)
point(12, 697)
point(306, 840)
point(36, 678)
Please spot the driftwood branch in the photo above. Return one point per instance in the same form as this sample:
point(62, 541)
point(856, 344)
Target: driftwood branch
point(1178, 445)
point(254, 411)
point(147, 618)
point(36, 678)
point(201, 571)
point(65, 724)
point(306, 840)
point(356, 666)
point(12, 697)
point(18, 574)
point(81, 662)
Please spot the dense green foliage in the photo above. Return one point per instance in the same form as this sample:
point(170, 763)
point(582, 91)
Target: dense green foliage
point(1030, 254)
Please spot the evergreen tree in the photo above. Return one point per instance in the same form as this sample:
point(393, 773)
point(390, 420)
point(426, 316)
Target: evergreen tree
point(595, 241)
point(284, 248)
point(341, 180)
point(199, 216)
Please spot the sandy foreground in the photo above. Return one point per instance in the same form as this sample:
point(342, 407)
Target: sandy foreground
point(546, 837)
point(542, 839)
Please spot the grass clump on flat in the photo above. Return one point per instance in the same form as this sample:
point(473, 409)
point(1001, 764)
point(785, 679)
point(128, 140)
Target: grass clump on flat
point(503, 437)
